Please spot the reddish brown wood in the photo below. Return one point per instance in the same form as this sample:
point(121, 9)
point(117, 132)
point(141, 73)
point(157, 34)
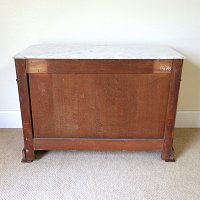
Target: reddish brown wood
point(99, 105)
point(28, 151)
point(96, 144)
point(167, 152)
point(109, 66)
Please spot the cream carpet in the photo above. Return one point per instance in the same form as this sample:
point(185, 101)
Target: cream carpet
point(70, 175)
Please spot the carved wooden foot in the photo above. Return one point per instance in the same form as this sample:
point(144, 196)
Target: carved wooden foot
point(171, 156)
point(26, 158)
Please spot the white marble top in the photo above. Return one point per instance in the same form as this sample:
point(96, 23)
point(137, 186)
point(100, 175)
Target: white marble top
point(68, 51)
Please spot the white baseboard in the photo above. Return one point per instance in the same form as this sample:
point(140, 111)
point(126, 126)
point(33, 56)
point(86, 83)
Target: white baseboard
point(10, 119)
point(188, 119)
point(184, 119)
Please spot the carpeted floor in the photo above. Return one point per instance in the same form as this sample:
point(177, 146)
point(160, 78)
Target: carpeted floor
point(72, 175)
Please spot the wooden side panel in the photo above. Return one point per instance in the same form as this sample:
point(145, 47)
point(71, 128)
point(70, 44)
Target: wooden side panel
point(97, 145)
point(28, 152)
point(99, 105)
point(167, 152)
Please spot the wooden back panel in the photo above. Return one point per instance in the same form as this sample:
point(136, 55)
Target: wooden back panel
point(99, 105)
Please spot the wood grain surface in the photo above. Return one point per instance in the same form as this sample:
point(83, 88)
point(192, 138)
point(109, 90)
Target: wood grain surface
point(99, 105)
point(97, 144)
point(167, 152)
point(100, 66)
point(24, 99)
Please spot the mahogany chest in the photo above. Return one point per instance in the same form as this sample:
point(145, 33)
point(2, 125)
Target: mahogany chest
point(98, 97)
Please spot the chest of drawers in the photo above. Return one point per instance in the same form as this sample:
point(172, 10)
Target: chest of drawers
point(98, 97)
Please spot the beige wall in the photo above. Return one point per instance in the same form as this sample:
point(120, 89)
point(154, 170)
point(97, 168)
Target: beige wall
point(170, 22)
